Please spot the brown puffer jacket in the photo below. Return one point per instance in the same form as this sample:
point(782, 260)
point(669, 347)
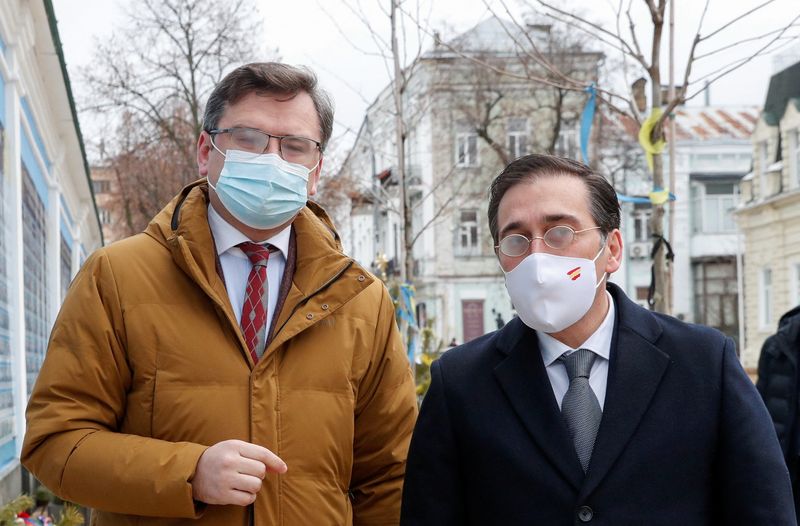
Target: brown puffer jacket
point(147, 367)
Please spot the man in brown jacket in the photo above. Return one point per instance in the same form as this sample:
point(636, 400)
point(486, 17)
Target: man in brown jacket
point(230, 365)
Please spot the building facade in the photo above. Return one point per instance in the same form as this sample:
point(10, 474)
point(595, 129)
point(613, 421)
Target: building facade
point(104, 185)
point(464, 123)
point(48, 221)
point(769, 215)
point(713, 153)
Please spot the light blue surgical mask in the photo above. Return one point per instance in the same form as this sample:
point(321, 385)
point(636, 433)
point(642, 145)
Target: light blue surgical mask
point(262, 191)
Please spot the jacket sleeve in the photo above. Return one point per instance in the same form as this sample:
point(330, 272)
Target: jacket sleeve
point(72, 443)
point(432, 493)
point(386, 408)
point(751, 475)
point(764, 365)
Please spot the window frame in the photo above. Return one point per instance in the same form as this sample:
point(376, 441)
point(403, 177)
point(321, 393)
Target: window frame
point(469, 230)
point(467, 160)
point(765, 313)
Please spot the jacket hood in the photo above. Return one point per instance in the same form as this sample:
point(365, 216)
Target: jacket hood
point(785, 319)
point(182, 227)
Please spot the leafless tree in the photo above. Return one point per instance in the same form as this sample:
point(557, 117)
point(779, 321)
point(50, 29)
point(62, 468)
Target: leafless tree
point(151, 79)
point(494, 96)
point(624, 40)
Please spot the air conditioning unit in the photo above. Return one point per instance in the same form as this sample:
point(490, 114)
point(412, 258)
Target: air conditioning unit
point(639, 250)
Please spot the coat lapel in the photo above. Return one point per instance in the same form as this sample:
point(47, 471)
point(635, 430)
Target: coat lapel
point(524, 380)
point(636, 369)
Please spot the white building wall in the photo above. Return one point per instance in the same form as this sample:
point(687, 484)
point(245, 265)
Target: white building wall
point(36, 112)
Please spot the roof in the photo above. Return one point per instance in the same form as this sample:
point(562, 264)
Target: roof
point(500, 37)
point(497, 35)
point(702, 123)
point(53, 23)
point(705, 123)
point(784, 86)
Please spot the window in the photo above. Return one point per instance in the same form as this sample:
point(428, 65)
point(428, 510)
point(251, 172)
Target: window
point(641, 222)
point(765, 299)
point(467, 242)
point(66, 266)
point(517, 138)
point(567, 144)
point(763, 159)
point(466, 149)
point(716, 298)
point(101, 186)
point(35, 277)
point(7, 410)
point(104, 215)
point(712, 207)
point(794, 298)
point(795, 158)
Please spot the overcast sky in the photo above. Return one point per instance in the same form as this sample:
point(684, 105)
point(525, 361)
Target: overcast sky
point(311, 32)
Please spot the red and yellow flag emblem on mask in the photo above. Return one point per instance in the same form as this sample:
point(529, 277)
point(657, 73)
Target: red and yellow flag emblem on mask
point(574, 273)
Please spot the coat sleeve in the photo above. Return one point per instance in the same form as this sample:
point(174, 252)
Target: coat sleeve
point(72, 443)
point(432, 493)
point(752, 478)
point(386, 408)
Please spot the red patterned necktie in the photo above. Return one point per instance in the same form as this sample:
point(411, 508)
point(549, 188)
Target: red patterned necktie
point(254, 310)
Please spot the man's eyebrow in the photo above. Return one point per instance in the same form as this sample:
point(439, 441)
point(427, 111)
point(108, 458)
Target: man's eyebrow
point(556, 218)
point(514, 225)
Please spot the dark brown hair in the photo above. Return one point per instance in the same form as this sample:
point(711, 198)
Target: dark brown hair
point(266, 78)
point(603, 203)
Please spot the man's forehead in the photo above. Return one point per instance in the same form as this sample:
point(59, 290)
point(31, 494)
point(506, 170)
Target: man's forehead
point(548, 194)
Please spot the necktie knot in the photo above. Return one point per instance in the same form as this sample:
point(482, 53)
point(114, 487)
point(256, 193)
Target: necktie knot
point(258, 254)
point(578, 363)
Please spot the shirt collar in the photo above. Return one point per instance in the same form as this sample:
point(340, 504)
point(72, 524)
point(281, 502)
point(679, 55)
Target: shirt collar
point(226, 236)
point(599, 342)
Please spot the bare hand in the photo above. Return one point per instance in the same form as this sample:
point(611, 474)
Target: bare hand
point(230, 472)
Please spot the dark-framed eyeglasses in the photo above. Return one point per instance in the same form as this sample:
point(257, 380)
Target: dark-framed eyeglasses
point(558, 237)
point(300, 150)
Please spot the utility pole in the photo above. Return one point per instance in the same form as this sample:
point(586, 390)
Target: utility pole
point(668, 292)
point(405, 258)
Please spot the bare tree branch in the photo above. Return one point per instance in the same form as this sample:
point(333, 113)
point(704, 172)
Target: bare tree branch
point(736, 19)
point(746, 40)
point(731, 67)
point(622, 42)
point(346, 37)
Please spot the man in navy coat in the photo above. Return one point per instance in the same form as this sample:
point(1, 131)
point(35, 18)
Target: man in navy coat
point(586, 408)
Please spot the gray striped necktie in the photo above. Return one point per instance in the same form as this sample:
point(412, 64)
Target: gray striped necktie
point(580, 408)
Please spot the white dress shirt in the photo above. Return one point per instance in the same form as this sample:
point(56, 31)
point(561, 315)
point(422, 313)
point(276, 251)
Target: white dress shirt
point(599, 342)
point(236, 265)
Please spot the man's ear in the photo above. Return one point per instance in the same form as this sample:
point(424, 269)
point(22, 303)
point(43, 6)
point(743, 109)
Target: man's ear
point(203, 152)
point(614, 245)
point(313, 178)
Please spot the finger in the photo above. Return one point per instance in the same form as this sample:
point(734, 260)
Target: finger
point(255, 468)
point(246, 483)
point(272, 461)
point(240, 498)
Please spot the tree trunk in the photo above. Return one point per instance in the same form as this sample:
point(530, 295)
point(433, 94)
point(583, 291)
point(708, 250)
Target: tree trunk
point(406, 256)
point(661, 273)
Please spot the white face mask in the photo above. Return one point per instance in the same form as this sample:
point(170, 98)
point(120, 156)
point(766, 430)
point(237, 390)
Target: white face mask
point(549, 292)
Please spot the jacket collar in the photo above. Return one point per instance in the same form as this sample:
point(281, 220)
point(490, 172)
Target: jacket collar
point(635, 371)
point(182, 227)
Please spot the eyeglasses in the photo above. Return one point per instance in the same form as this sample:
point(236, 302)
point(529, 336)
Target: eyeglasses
point(300, 150)
point(558, 237)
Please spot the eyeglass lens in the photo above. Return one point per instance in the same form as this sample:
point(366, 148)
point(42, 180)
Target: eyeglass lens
point(557, 237)
point(293, 149)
